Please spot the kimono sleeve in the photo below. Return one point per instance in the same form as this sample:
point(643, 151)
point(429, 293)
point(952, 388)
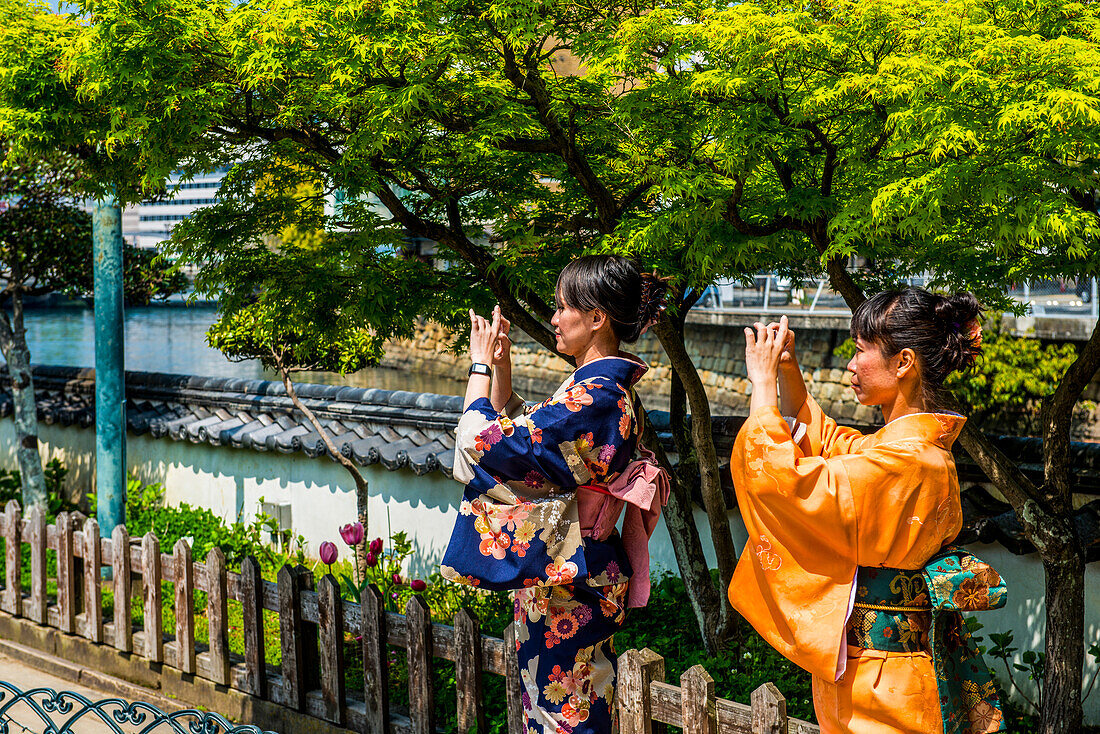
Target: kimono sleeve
point(823, 437)
point(567, 441)
point(794, 580)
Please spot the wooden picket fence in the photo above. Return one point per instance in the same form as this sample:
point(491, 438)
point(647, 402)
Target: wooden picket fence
point(312, 628)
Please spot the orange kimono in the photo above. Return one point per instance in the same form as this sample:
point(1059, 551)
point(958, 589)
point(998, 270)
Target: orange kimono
point(818, 504)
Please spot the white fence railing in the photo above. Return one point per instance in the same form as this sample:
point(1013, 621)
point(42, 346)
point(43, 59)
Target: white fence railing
point(771, 293)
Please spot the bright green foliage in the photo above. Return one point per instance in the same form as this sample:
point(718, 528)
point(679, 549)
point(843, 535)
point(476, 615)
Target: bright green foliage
point(1005, 388)
point(146, 512)
point(328, 305)
point(956, 137)
point(11, 484)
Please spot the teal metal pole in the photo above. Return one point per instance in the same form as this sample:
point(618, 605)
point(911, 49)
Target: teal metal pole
point(110, 396)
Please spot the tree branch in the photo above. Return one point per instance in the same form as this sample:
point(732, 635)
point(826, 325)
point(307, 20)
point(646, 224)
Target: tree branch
point(529, 81)
point(1057, 415)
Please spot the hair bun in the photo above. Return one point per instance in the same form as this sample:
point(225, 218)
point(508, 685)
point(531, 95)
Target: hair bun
point(961, 318)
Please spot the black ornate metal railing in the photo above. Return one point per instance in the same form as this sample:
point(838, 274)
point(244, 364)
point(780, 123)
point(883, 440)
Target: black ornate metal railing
point(46, 711)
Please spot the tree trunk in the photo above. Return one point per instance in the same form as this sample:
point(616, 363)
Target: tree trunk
point(684, 533)
point(702, 438)
point(362, 494)
point(1065, 634)
point(13, 341)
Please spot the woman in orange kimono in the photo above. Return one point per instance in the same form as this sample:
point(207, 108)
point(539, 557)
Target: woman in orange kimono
point(845, 571)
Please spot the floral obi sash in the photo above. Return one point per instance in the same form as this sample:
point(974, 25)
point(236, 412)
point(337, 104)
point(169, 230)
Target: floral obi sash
point(908, 611)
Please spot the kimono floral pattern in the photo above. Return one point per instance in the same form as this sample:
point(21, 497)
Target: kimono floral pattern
point(518, 528)
point(567, 658)
point(518, 524)
point(959, 582)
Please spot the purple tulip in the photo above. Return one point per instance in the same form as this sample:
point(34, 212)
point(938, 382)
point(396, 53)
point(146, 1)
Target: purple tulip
point(418, 585)
point(328, 552)
point(372, 559)
point(376, 546)
point(352, 533)
point(397, 578)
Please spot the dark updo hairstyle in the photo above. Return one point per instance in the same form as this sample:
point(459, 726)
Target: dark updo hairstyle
point(936, 328)
point(615, 285)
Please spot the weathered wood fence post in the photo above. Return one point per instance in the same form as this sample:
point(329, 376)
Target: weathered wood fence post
point(121, 566)
point(376, 678)
point(290, 638)
point(13, 559)
point(252, 611)
point(331, 612)
point(421, 694)
point(217, 616)
point(185, 607)
point(769, 710)
point(637, 670)
point(38, 565)
point(153, 611)
point(66, 584)
point(93, 582)
point(697, 701)
point(471, 713)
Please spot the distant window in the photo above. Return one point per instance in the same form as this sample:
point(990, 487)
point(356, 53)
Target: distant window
point(163, 217)
point(180, 202)
point(200, 185)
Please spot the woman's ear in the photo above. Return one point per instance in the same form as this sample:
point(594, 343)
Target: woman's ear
point(599, 318)
point(906, 363)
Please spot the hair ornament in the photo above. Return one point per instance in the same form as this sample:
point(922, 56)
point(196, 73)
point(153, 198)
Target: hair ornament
point(974, 334)
point(652, 302)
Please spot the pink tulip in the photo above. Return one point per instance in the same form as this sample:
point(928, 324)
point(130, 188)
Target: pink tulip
point(372, 559)
point(418, 585)
point(328, 553)
point(352, 533)
point(397, 578)
point(376, 546)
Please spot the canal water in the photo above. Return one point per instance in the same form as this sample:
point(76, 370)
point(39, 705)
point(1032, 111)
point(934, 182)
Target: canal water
point(172, 338)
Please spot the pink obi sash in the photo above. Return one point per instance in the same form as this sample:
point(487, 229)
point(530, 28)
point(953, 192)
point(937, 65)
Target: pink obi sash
point(643, 488)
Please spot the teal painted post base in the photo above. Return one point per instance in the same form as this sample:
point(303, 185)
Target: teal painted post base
point(110, 396)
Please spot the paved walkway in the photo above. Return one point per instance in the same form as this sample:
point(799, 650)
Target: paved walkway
point(27, 669)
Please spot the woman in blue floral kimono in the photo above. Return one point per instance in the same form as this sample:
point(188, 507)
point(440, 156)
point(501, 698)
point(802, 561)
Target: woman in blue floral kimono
point(545, 486)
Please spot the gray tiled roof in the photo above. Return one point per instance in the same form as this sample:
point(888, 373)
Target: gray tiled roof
point(395, 428)
point(400, 429)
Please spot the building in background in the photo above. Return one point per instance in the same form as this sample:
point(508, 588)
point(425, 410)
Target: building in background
point(150, 222)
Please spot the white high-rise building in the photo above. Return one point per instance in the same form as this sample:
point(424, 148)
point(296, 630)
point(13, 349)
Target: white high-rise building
point(150, 222)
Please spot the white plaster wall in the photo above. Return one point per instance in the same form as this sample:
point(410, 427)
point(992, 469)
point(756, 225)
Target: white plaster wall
point(231, 482)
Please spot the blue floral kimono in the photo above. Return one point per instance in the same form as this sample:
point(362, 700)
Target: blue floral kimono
point(519, 528)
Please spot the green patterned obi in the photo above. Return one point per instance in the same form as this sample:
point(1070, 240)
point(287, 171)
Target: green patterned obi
point(909, 611)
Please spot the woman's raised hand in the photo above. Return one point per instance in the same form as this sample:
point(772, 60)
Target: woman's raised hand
point(502, 355)
point(484, 337)
point(764, 349)
point(788, 358)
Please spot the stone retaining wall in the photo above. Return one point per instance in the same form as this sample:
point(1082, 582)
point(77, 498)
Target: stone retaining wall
point(716, 342)
point(718, 351)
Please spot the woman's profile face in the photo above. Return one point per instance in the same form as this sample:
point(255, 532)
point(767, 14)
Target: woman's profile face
point(573, 329)
point(874, 377)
